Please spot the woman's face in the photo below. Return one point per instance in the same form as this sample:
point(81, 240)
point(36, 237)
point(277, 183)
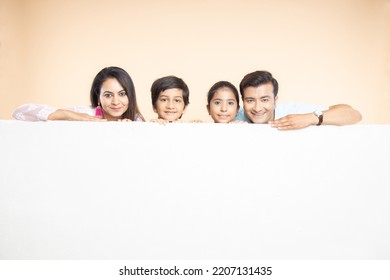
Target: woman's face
point(170, 104)
point(223, 106)
point(113, 99)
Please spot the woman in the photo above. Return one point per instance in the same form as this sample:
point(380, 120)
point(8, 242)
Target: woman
point(112, 99)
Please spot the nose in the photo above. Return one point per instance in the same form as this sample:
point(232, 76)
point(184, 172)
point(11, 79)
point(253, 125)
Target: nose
point(170, 104)
point(223, 107)
point(258, 106)
point(115, 99)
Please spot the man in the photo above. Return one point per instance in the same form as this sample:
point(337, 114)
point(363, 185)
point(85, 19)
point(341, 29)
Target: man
point(259, 93)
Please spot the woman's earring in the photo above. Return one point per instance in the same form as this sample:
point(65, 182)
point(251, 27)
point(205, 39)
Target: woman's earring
point(99, 112)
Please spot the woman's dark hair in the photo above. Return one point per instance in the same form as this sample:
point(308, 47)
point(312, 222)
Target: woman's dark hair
point(219, 85)
point(125, 81)
point(169, 82)
point(256, 79)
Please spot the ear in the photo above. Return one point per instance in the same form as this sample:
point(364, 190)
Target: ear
point(154, 109)
point(276, 99)
point(208, 108)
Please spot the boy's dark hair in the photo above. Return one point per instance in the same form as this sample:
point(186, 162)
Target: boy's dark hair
point(169, 82)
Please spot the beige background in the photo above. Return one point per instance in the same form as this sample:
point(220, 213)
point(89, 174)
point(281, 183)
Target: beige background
point(323, 52)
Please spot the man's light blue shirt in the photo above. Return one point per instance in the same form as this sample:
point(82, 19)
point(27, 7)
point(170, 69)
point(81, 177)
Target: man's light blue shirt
point(284, 109)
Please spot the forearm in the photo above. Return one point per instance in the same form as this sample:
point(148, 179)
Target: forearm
point(336, 115)
point(60, 115)
point(341, 114)
point(69, 115)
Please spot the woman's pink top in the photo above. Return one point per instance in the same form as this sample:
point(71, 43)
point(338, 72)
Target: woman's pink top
point(40, 112)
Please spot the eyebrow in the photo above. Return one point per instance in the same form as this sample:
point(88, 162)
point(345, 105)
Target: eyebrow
point(107, 91)
point(176, 96)
point(220, 99)
point(263, 97)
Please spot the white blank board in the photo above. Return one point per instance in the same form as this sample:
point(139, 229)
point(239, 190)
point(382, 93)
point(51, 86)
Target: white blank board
point(83, 190)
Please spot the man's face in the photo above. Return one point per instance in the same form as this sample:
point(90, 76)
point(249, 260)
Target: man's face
point(259, 103)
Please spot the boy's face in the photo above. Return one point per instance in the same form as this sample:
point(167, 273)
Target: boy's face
point(259, 103)
point(170, 104)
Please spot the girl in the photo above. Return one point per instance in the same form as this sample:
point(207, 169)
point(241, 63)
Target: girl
point(223, 102)
point(112, 99)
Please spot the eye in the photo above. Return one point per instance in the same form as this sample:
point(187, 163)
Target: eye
point(249, 100)
point(217, 102)
point(178, 100)
point(232, 103)
point(163, 99)
point(107, 95)
point(264, 100)
point(122, 93)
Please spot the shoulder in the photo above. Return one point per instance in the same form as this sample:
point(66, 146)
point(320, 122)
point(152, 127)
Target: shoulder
point(139, 118)
point(241, 116)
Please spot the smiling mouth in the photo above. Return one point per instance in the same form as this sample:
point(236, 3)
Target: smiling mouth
point(258, 114)
point(171, 113)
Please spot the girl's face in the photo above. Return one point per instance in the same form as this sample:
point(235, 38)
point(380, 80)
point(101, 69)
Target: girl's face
point(223, 106)
point(170, 104)
point(113, 99)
